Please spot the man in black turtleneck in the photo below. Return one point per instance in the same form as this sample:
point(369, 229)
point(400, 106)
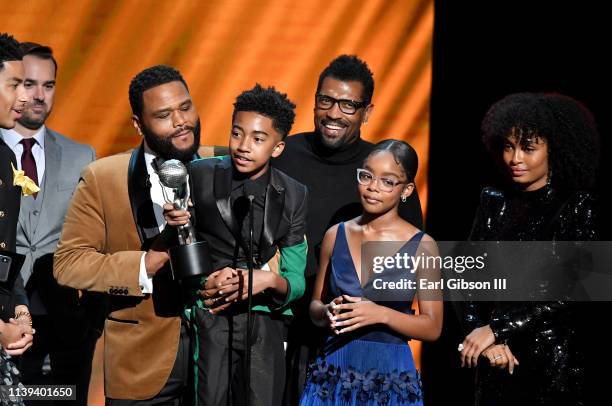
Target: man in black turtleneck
point(326, 161)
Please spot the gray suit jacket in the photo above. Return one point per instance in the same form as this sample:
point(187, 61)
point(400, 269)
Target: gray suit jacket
point(64, 161)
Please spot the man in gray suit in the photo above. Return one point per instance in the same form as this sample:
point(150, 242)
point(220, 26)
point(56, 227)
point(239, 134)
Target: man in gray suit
point(67, 325)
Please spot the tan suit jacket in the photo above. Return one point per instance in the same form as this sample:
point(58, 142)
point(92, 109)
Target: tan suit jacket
point(100, 250)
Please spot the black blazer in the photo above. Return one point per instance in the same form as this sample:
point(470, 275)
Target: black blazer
point(10, 200)
point(284, 212)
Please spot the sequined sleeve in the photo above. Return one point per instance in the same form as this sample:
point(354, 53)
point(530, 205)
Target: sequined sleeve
point(575, 222)
point(491, 207)
point(490, 211)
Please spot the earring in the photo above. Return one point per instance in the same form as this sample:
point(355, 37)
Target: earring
point(549, 177)
point(403, 199)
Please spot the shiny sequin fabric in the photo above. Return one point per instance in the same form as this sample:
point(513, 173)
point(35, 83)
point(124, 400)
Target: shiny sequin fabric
point(9, 376)
point(542, 335)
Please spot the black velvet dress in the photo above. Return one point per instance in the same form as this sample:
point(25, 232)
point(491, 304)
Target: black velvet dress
point(542, 335)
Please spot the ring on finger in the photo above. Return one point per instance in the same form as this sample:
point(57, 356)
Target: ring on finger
point(497, 357)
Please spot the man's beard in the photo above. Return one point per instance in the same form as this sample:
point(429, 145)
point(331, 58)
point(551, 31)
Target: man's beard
point(164, 147)
point(30, 121)
point(332, 143)
point(336, 143)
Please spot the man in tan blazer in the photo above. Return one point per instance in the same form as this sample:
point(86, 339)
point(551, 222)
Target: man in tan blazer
point(111, 243)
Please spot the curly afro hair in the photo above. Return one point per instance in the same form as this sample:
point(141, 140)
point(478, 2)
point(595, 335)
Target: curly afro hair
point(350, 68)
point(565, 124)
point(9, 49)
point(149, 78)
point(268, 102)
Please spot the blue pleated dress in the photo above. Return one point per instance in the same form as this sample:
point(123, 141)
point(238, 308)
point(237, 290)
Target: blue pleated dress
point(371, 366)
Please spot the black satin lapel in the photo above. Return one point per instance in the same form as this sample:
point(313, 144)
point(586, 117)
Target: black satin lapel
point(222, 190)
point(138, 190)
point(273, 211)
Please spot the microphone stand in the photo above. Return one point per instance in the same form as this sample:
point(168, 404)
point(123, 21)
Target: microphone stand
point(249, 304)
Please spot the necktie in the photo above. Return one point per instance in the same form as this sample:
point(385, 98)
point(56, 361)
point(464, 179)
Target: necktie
point(28, 164)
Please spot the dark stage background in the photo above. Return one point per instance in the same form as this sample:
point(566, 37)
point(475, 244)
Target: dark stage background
point(482, 51)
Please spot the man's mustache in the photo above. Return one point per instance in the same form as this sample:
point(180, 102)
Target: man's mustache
point(339, 122)
point(182, 129)
point(36, 103)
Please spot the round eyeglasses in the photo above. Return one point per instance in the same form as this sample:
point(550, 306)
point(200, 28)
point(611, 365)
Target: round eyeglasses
point(385, 183)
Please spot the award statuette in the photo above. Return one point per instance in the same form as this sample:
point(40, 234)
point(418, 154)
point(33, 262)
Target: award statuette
point(189, 258)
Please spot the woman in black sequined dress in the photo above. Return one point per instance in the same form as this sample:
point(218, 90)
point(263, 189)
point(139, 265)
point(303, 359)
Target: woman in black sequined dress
point(527, 353)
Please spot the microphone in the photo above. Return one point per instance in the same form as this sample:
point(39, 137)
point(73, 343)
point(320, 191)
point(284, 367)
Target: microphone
point(249, 193)
point(249, 190)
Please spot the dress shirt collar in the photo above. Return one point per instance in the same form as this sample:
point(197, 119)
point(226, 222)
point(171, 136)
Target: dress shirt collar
point(12, 138)
point(259, 185)
point(149, 156)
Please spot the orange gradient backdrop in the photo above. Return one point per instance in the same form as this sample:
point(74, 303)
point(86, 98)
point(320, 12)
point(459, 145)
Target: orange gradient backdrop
point(223, 48)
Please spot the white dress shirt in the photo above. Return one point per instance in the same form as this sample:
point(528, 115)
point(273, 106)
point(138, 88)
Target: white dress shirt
point(13, 139)
point(157, 197)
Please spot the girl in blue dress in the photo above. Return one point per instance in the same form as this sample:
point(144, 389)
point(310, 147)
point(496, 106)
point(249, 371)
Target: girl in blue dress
point(366, 359)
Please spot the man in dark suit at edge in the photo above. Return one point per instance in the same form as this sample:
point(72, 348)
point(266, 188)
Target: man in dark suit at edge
point(15, 336)
point(68, 322)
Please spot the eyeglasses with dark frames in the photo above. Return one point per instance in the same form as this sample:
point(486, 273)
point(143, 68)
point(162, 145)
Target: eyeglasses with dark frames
point(346, 106)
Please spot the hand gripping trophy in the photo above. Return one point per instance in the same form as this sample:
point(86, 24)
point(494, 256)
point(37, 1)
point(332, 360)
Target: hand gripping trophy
point(190, 258)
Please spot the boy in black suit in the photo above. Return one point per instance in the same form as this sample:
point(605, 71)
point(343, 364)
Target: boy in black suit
point(261, 120)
